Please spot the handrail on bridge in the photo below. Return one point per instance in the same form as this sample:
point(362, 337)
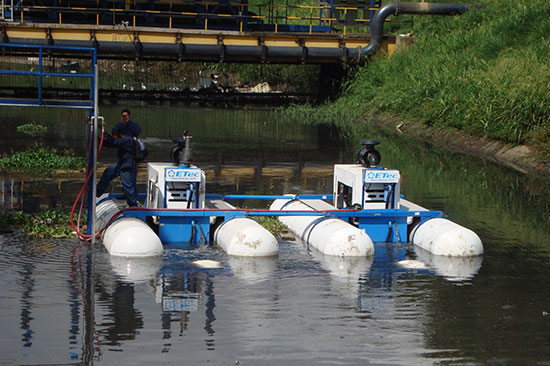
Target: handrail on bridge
point(280, 17)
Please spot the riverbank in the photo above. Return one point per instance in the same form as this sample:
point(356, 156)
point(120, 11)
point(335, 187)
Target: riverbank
point(476, 82)
point(519, 157)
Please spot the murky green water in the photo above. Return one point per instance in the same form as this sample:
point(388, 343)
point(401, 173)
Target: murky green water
point(58, 306)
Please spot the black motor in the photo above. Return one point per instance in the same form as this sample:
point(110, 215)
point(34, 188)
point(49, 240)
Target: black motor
point(181, 153)
point(368, 155)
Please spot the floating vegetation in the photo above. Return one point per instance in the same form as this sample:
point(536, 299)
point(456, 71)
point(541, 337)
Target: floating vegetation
point(41, 160)
point(52, 223)
point(32, 129)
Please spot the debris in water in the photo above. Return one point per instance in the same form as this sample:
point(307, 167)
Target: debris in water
point(207, 263)
point(287, 235)
point(411, 264)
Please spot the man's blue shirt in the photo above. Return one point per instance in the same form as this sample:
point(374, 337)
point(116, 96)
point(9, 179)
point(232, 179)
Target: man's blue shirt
point(130, 128)
point(124, 147)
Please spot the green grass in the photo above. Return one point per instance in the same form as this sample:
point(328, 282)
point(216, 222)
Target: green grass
point(486, 73)
point(271, 224)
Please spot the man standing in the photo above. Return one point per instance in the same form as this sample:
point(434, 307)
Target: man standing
point(122, 140)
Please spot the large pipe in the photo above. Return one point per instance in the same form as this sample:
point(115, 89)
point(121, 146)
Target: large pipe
point(396, 8)
point(253, 53)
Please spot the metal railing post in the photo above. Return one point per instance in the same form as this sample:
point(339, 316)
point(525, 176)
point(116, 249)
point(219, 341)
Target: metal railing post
point(40, 75)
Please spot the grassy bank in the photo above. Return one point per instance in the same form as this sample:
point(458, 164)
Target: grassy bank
point(486, 73)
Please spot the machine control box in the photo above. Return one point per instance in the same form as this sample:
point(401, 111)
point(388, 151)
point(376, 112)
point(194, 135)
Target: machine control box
point(169, 186)
point(366, 188)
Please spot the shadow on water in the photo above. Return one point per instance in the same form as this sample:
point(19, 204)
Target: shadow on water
point(300, 307)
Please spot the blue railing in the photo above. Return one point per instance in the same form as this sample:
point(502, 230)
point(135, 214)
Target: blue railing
point(40, 74)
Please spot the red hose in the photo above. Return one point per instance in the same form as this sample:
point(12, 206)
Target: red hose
point(76, 228)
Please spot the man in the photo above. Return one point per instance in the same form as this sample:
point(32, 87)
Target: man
point(122, 140)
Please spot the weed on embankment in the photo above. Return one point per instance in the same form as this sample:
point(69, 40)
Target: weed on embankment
point(486, 72)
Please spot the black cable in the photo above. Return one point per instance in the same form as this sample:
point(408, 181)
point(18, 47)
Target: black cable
point(389, 233)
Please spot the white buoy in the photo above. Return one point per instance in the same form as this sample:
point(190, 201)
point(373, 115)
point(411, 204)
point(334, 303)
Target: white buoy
point(443, 237)
point(131, 237)
point(243, 236)
point(330, 236)
point(126, 236)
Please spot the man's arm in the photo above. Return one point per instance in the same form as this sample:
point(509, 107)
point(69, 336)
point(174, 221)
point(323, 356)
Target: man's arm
point(108, 140)
point(116, 129)
point(136, 128)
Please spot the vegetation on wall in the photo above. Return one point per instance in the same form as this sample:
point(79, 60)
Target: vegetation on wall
point(486, 72)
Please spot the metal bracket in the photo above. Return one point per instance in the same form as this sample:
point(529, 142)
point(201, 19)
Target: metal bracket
point(222, 47)
point(344, 57)
point(261, 43)
point(49, 36)
point(5, 38)
point(137, 44)
point(93, 38)
point(302, 44)
point(181, 47)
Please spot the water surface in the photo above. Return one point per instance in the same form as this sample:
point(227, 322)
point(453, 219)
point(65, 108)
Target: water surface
point(66, 302)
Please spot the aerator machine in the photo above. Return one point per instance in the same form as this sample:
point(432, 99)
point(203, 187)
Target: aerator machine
point(366, 206)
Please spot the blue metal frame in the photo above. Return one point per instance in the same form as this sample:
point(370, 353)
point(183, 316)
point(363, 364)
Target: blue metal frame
point(40, 102)
point(326, 197)
point(183, 225)
point(40, 74)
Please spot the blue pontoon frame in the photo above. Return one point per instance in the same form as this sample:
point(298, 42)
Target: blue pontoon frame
point(192, 225)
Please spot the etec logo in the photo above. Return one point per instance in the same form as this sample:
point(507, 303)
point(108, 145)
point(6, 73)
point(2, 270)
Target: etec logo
point(382, 176)
point(183, 175)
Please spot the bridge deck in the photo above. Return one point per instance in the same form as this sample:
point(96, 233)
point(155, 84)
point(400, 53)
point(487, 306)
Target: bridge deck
point(121, 41)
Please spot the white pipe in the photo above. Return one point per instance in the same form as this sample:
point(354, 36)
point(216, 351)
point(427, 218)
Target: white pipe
point(127, 236)
point(329, 236)
point(443, 237)
point(245, 237)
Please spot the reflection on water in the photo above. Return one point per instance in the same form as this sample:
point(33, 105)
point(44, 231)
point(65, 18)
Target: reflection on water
point(451, 268)
point(64, 301)
point(252, 270)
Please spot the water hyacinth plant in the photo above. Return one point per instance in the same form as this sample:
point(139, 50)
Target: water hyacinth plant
point(39, 159)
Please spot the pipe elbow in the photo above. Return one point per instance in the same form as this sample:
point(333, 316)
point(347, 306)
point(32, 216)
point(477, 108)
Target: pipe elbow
point(396, 8)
